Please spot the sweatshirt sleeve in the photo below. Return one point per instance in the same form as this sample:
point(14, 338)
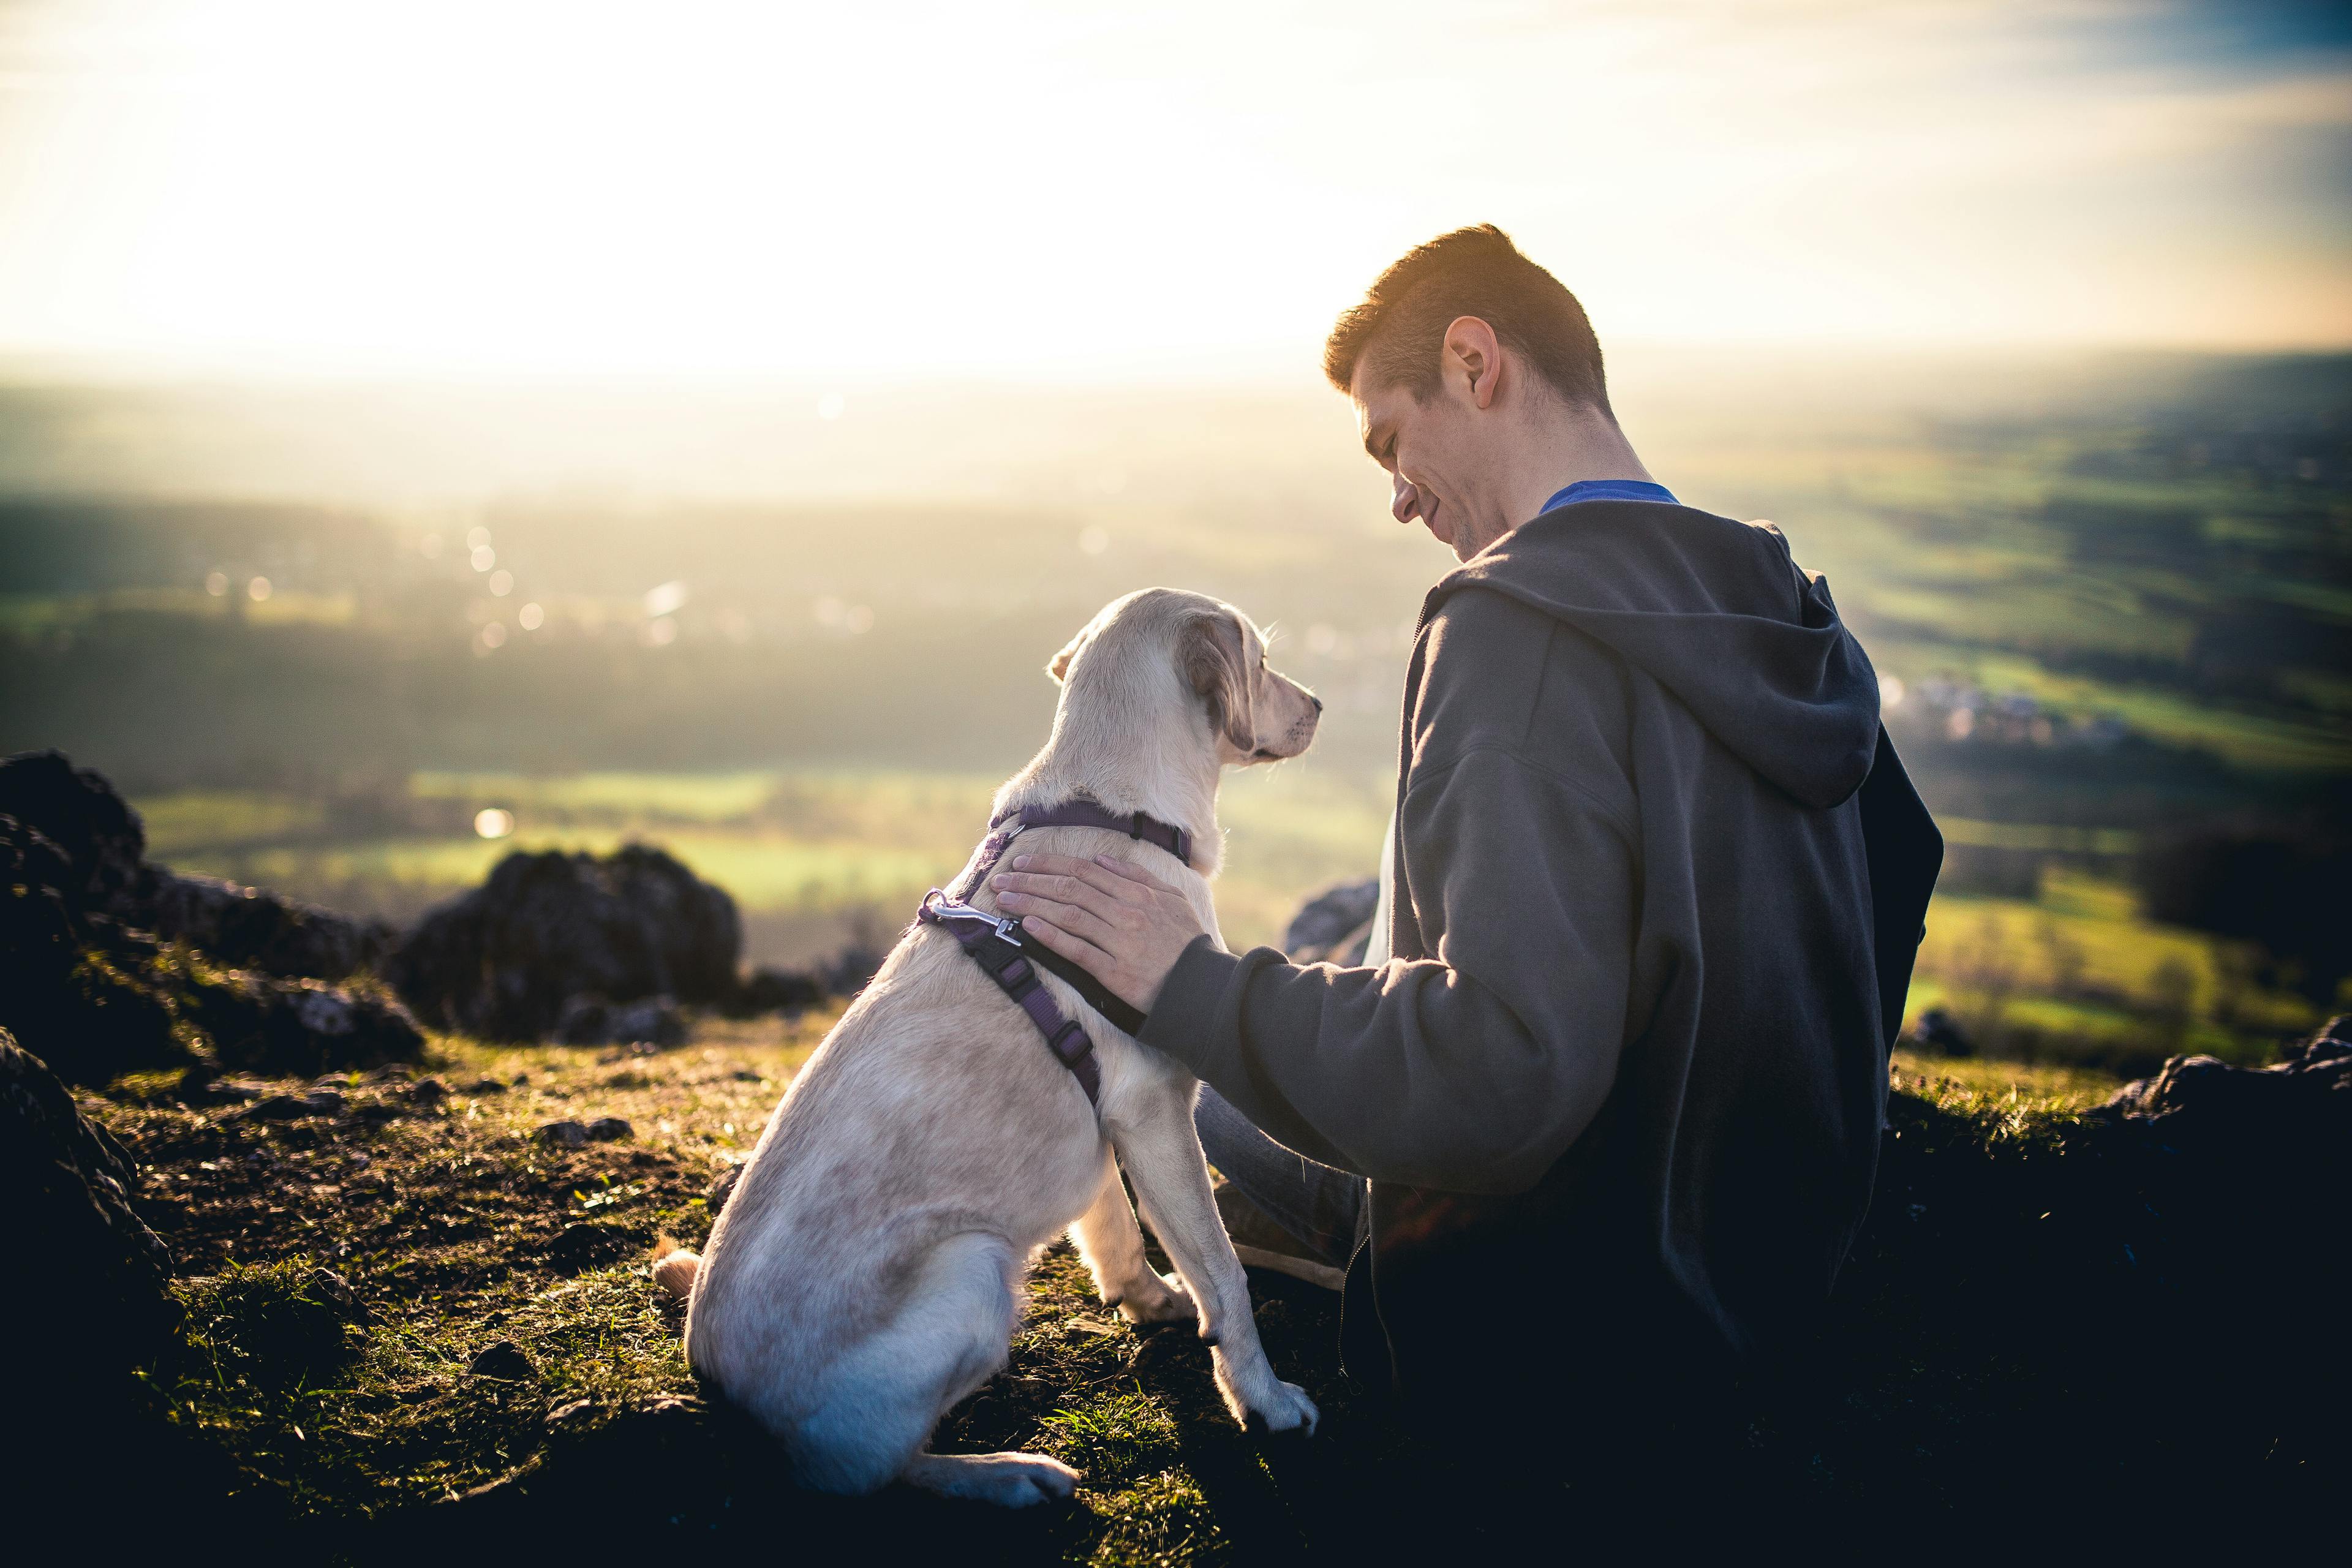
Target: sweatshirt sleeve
point(1471, 1072)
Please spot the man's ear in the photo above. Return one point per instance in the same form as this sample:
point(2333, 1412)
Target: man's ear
point(1472, 349)
point(1216, 667)
point(1059, 666)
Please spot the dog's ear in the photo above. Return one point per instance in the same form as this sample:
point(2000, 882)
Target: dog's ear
point(1059, 666)
point(1217, 666)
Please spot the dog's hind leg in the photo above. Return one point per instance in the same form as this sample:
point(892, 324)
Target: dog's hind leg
point(882, 1399)
point(1112, 1245)
point(1162, 1154)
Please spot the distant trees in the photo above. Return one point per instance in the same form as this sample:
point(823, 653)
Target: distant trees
point(2286, 888)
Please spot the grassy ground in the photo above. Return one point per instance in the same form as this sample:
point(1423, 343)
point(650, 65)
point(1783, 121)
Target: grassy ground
point(1968, 1083)
point(507, 1362)
point(460, 1230)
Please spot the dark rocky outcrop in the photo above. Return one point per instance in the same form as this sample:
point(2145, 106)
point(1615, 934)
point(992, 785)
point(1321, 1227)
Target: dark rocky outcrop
point(102, 841)
point(88, 1311)
point(105, 969)
point(101, 1300)
point(258, 1025)
point(2232, 1186)
point(257, 930)
point(1334, 926)
point(2305, 1095)
point(91, 826)
point(505, 961)
point(58, 991)
point(2153, 1269)
point(772, 990)
point(593, 1021)
point(851, 970)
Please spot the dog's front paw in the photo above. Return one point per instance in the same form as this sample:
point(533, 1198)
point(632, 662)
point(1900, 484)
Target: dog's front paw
point(1287, 1411)
point(1156, 1298)
point(1258, 1398)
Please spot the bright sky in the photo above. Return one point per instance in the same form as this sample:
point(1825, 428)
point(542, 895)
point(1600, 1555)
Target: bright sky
point(1065, 187)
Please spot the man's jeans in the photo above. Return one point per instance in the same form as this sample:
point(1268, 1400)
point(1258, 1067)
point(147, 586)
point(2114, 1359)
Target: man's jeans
point(1322, 1209)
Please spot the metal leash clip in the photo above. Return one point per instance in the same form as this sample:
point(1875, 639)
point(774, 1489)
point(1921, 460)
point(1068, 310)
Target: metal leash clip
point(940, 907)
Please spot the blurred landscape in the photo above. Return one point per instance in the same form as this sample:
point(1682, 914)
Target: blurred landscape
point(356, 641)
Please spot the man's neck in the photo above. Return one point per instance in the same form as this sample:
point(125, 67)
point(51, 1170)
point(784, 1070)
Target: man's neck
point(1569, 445)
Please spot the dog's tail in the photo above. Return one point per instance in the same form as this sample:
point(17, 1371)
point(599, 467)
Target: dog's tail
point(675, 1268)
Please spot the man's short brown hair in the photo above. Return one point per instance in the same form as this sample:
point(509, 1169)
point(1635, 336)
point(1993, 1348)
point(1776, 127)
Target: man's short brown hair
point(1397, 334)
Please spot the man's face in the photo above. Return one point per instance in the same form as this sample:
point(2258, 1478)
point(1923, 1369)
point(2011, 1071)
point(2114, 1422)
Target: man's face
point(1435, 454)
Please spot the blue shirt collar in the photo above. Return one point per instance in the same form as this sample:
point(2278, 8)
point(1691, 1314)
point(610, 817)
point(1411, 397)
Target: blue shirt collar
point(1610, 490)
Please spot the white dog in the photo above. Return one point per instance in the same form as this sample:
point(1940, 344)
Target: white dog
point(865, 1276)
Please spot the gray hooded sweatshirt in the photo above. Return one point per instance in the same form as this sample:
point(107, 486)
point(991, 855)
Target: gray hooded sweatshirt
point(1626, 1066)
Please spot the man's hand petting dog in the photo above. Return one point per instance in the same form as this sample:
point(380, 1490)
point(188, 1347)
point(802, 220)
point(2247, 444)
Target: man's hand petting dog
point(1115, 920)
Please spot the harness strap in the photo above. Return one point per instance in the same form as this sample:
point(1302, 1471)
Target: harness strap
point(988, 941)
point(1087, 813)
point(1095, 994)
point(997, 944)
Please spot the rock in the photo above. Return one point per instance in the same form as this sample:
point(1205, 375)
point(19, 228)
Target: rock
point(302, 1025)
point(485, 1086)
point(102, 1308)
point(1334, 926)
point(69, 995)
point(253, 929)
point(593, 1021)
point(276, 1108)
point(91, 1317)
point(427, 1091)
point(605, 1128)
point(197, 1085)
point(722, 1187)
point(2204, 1101)
point(42, 928)
point(90, 826)
point(103, 838)
point(504, 1359)
point(108, 967)
point(849, 972)
point(1939, 1032)
point(2226, 1188)
point(771, 990)
point(502, 961)
point(564, 1135)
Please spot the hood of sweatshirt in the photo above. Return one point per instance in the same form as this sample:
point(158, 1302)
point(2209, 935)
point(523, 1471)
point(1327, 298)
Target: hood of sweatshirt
point(1715, 611)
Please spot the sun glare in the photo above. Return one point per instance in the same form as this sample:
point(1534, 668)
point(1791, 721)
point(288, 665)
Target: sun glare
point(1027, 189)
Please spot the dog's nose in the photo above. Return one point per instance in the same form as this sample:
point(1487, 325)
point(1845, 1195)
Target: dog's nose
point(1316, 701)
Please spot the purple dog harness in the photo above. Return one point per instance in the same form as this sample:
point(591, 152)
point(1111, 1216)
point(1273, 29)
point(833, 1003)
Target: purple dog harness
point(995, 943)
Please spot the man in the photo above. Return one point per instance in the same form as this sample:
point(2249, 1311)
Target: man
point(1618, 1067)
